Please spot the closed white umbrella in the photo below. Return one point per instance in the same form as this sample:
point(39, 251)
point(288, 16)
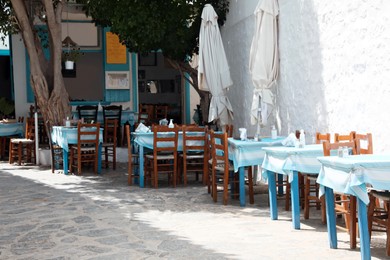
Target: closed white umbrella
point(213, 69)
point(264, 59)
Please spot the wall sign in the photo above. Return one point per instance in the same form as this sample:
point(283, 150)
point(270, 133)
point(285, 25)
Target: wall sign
point(117, 80)
point(116, 52)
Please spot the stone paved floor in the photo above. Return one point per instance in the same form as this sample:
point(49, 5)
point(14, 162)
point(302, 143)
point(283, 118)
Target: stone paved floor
point(54, 216)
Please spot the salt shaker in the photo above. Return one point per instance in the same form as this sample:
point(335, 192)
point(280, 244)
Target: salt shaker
point(67, 122)
point(274, 132)
point(302, 139)
point(340, 151)
point(345, 151)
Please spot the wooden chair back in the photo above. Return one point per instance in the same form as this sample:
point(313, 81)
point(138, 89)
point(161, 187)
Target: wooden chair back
point(160, 112)
point(193, 139)
point(220, 163)
point(145, 114)
point(193, 156)
point(110, 131)
point(229, 130)
point(88, 135)
point(364, 142)
point(132, 159)
point(165, 140)
point(320, 138)
point(344, 138)
point(88, 113)
point(328, 147)
point(30, 128)
point(112, 112)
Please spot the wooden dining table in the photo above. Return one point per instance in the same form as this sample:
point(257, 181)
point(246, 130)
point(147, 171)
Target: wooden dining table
point(145, 140)
point(289, 161)
point(11, 128)
point(245, 153)
point(351, 175)
point(64, 136)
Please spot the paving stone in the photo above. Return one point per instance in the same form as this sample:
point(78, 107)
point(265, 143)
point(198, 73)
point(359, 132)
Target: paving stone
point(56, 216)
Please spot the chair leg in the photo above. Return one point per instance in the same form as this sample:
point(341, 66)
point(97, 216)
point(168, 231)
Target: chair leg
point(323, 210)
point(214, 185)
point(288, 192)
point(114, 158)
point(250, 184)
point(353, 222)
point(388, 230)
point(307, 193)
point(226, 189)
point(20, 153)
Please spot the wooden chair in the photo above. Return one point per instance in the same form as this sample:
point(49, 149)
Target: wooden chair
point(229, 130)
point(365, 143)
point(87, 113)
point(160, 112)
point(4, 141)
point(110, 141)
point(345, 204)
point(164, 157)
point(378, 216)
point(132, 159)
point(145, 114)
point(23, 149)
point(312, 187)
point(87, 148)
point(114, 112)
point(222, 170)
point(193, 157)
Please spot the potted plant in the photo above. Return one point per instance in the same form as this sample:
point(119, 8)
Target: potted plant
point(70, 56)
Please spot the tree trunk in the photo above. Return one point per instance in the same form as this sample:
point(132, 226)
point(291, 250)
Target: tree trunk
point(192, 79)
point(45, 75)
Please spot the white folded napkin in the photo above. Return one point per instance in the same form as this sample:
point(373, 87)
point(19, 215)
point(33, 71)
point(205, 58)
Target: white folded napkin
point(290, 140)
point(142, 128)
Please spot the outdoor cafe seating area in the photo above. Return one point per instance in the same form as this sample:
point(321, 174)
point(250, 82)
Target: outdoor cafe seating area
point(338, 175)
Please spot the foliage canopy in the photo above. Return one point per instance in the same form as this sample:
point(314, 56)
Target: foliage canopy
point(149, 25)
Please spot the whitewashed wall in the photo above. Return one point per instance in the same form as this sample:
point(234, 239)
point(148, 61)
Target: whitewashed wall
point(334, 66)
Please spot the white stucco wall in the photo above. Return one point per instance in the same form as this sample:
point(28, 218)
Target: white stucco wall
point(334, 66)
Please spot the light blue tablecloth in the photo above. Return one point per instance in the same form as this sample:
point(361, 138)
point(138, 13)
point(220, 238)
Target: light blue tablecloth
point(285, 160)
point(289, 161)
point(350, 175)
point(9, 129)
point(247, 153)
point(63, 136)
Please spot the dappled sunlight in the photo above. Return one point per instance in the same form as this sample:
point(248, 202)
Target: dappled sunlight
point(234, 234)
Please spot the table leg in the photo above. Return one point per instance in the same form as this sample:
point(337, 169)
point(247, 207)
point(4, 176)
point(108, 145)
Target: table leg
point(365, 252)
point(241, 176)
point(272, 195)
point(331, 217)
point(65, 160)
point(295, 201)
point(141, 166)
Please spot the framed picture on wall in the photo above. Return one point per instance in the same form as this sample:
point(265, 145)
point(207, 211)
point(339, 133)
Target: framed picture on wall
point(147, 59)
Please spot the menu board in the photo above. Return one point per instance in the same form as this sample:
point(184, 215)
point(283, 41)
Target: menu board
point(116, 52)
